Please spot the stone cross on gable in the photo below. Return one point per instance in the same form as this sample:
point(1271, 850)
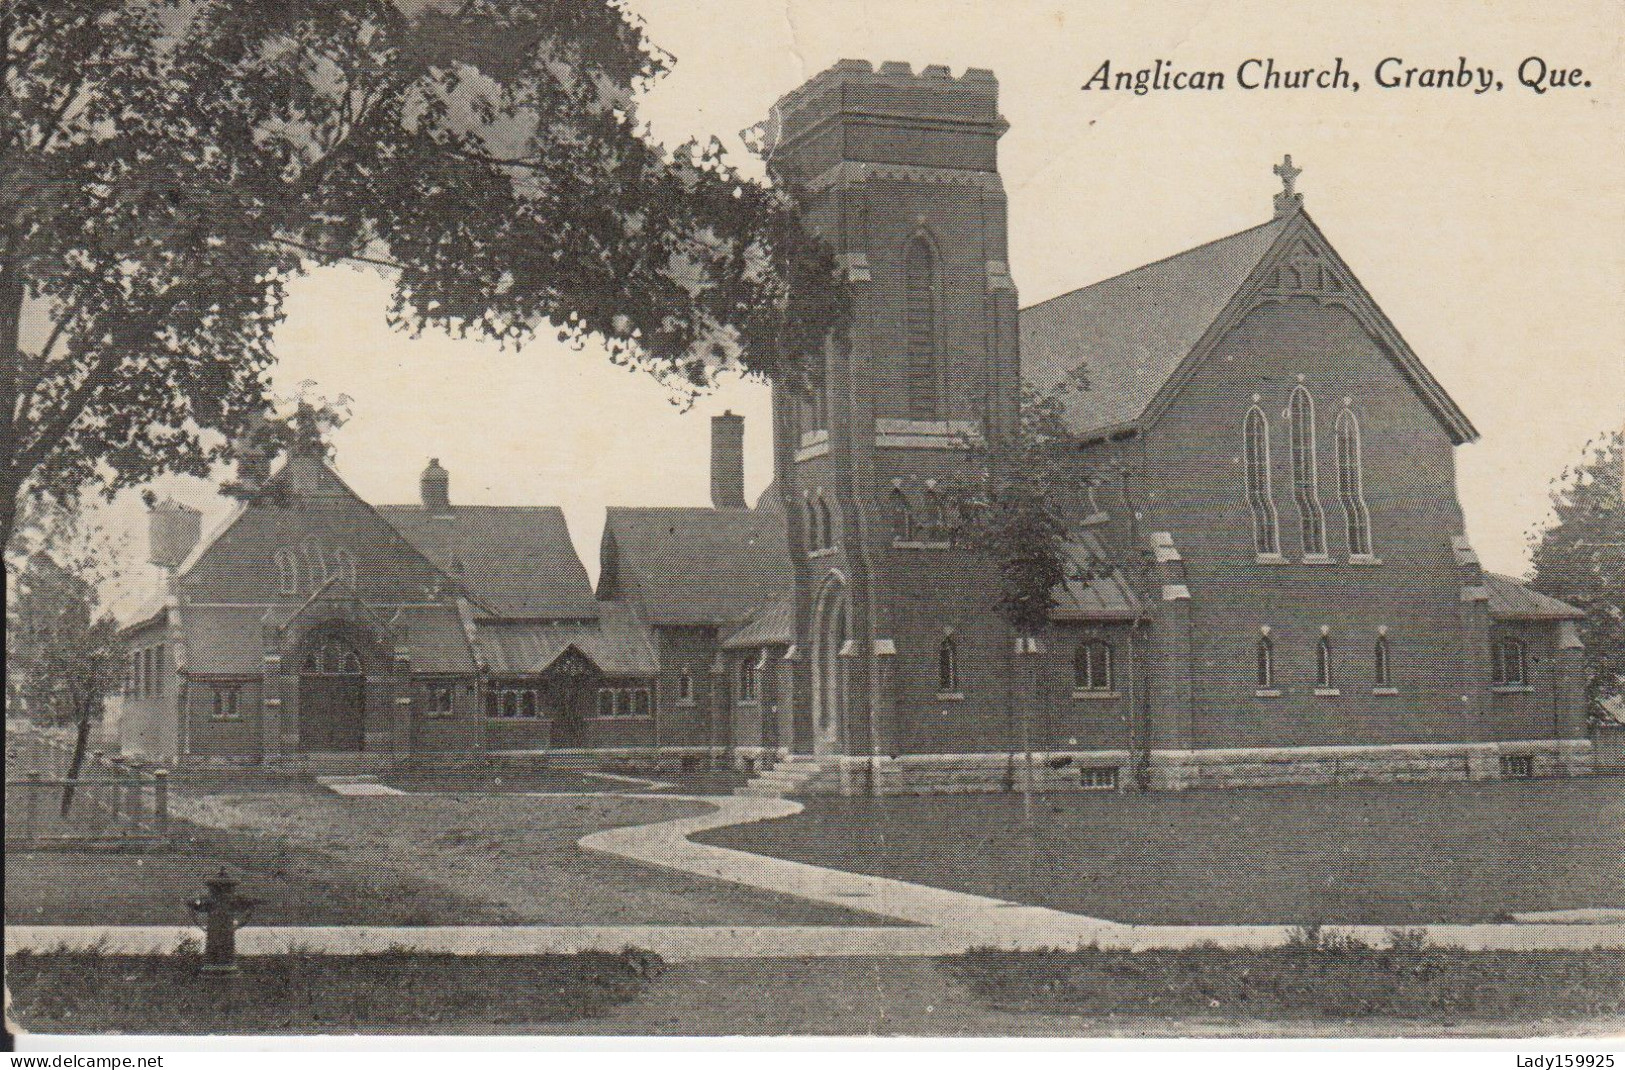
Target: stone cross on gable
point(1288, 200)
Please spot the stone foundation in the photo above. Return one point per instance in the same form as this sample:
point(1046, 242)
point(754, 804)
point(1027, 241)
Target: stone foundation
point(1108, 770)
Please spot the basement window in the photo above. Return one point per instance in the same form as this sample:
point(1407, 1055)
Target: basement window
point(1517, 766)
point(1098, 778)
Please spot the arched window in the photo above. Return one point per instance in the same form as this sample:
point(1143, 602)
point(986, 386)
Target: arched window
point(748, 683)
point(1382, 669)
point(948, 667)
point(809, 524)
point(920, 285)
point(1260, 491)
point(287, 572)
point(826, 520)
point(344, 567)
point(685, 686)
point(1305, 480)
point(1323, 664)
point(902, 517)
point(1509, 663)
point(1266, 663)
point(1351, 484)
point(1092, 666)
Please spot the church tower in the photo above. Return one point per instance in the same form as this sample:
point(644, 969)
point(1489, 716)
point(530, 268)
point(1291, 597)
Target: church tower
point(895, 645)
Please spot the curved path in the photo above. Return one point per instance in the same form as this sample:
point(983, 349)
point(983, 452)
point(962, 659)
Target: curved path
point(934, 921)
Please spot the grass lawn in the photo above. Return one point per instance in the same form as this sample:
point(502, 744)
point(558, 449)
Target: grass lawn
point(1392, 854)
point(513, 854)
point(1420, 984)
point(314, 994)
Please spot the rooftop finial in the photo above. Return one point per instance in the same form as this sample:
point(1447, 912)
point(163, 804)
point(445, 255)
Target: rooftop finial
point(1289, 200)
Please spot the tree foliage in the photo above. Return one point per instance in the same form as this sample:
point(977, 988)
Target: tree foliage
point(63, 655)
point(1017, 507)
point(168, 166)
point(1580, 559)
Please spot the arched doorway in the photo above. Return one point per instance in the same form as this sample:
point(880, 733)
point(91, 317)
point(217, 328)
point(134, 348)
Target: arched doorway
point(832, 616)
point(332, 692)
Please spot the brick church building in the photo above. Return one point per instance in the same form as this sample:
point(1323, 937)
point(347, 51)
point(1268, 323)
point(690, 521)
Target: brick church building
point(1264, 485)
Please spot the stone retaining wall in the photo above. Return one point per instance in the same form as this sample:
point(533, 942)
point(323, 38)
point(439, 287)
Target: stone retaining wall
point(1179, 770)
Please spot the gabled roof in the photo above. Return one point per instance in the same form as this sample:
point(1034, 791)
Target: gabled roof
point(1140, 334)
point(694, 566)
point(516, 561)
point(1105, 597)
point(617, 642)
point(772, 624)
point(1511, 600)
point(229, 640)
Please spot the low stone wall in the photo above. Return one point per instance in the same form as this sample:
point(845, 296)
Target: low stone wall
point(1108, 770)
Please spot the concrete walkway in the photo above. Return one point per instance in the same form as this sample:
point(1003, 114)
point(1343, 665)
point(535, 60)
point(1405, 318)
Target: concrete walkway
point(940, 922)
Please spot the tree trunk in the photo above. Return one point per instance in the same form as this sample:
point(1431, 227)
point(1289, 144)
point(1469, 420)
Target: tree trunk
point(80, 743)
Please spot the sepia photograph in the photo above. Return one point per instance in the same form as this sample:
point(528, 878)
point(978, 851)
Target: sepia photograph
point(847, 519)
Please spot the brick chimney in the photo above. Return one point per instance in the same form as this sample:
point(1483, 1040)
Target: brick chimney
point(728, 461)
point(173, 530)
point(435, 486)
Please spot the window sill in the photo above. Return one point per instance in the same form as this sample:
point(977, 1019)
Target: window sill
point(1270, 559)
point(950, 696)
point(1267, 692)
point(1317, 559)
point(751, 702)
point(1512, 689)
point(225, 720)
point(637, 717)
point(1327, 692)
point(685, 703)
point(909, 544)
point(1095, 693)
point(1364, 559)
point(519, 720)
point(438, 717)
point(825, 552)
point(1385, 691)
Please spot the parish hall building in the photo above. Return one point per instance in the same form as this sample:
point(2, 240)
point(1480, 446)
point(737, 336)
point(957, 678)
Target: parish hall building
point(1265, 492)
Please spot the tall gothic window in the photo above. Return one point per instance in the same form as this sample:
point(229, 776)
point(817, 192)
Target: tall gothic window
point(1260, 492)
point(826, 521)
point(1305, 481)
point(1351, 484)
point(287, 572)
point(809, 524)
point(1266, 663)
point(920, 285)
point(902, 517)
point(948, 667)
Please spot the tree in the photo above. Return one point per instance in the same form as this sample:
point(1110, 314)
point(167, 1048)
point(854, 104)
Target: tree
point(168, 166)
point(1580, 559)
point(63, 652)
point(1016, 510)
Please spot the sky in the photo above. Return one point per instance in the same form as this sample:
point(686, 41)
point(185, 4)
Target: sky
point(1490, 228)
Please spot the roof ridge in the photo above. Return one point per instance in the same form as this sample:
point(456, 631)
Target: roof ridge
point(1154, 263)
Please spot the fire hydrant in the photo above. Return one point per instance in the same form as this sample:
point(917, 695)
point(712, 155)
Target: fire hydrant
point(222, 912)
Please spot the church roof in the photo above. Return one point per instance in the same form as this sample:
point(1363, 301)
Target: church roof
point(617, 642)
point(1132, 331)
point(691, 565)
point(1138, 334)
point(772, 624)
point(516, 561)
point(1511, 600)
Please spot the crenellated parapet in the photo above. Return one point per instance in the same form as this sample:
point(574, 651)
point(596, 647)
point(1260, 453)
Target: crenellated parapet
point(855, 112)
